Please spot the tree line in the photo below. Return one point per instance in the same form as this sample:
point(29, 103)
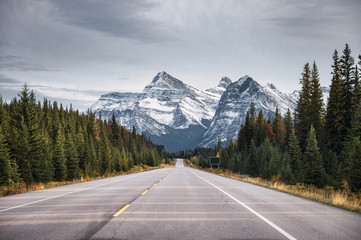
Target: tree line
point(317, 144)
point(43, 142)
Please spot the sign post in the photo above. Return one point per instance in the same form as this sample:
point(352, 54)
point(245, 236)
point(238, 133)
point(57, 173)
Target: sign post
point(215, 161)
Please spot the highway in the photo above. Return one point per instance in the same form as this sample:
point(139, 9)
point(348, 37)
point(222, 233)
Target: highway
point(171, 203)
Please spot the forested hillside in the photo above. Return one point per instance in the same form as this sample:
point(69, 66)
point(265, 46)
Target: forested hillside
point(42, 142)
point(318, 145)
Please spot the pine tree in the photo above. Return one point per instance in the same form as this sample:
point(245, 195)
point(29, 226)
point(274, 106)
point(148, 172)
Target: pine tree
point(19, 135)
point(260, 131)
point(105, 151)
point(37, 145)
point(115, 132)
point(346, 67)
point(5, 167)
point(91, 124)
point(354, 164)
point(295, 157)
point(241, 139)
point(72, 160)
point(91, 159)
point(275, 163)
point(265, 153)
point(316, 105)
point(22, 150)
point(335, 109)
point(314, 170)
point(303, 106)
point(249, 125)
point(130, 160)
point(286, 172)
point(30, 149)
point(288, 125)
point(252, 165)
point(45, 164)
point(125, 162)
point(355, 130)
point(81, 149)
point(351, 150)
point(59, 158)
point(278, 128)
point(117, 159)
point(357, 87)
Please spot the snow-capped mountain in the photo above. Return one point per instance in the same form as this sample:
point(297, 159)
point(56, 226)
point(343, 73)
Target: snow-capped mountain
point(166, 109)
point(234, 104)
point(180, 116)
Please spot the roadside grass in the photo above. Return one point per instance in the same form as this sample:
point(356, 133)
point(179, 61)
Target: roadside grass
point(23, 187)
point(342, 198)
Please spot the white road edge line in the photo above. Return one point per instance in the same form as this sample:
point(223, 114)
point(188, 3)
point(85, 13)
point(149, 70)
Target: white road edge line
point(283, 232)
point(41, 200)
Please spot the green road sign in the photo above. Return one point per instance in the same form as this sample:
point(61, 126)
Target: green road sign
point(215, 160)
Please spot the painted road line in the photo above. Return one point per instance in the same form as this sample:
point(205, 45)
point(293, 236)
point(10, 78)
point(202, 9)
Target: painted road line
point(121, 210)
point(48, 198)
point(154, 185)
point(145, 192)
point(283, 232)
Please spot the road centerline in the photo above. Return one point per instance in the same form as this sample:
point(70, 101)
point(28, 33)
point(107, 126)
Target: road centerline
point(273, 225)
point(121, 210)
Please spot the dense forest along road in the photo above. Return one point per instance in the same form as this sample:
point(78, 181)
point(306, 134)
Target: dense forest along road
point(172, 203)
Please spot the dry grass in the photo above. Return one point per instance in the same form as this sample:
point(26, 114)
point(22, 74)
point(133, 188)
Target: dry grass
point(23, 187)
point(342, 198)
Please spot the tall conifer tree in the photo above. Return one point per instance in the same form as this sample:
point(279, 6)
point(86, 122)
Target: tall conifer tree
point(314, 169)
point(72, 160)
point(335, 109)
point(252, 165)
point(346, 67)
point(357, 87)
point(303, 106)
point(295, 157)
point(288, 125)
point(316, 104)
point(59, 157)
point(5, 167)
point(275, 163)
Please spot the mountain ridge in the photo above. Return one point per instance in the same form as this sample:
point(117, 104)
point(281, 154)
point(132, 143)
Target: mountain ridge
point(180, 116)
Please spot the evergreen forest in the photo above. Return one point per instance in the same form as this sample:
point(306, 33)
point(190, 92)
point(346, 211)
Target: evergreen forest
point(316, 145)
point(43, 142)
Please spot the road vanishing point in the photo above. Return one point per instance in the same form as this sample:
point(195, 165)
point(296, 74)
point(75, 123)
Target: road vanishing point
point(171, 203)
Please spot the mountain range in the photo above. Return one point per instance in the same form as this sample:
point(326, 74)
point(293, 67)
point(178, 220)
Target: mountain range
point(179, 116)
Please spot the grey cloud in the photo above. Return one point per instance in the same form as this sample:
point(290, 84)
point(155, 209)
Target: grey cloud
point(7, 80)
point(14, 63)
point(317, 18)
point(126, 19)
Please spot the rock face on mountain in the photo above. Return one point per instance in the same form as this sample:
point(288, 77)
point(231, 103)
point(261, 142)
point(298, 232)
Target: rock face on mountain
point(234, 104)
point(168, 111)
point(179, 116)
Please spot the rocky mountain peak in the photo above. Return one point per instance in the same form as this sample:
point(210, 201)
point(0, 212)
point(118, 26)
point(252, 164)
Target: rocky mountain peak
point(179, 116)
point(225, 81)
point(165, 81)
point(243, 79)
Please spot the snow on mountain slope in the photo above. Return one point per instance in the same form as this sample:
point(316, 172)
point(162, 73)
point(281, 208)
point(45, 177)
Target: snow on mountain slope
point(222, 86)
point(176, 104)
point(166, 104)
point(180, 116)
point(234, 104)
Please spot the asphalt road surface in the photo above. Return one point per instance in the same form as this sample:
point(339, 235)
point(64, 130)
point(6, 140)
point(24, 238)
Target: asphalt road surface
point(171, 203)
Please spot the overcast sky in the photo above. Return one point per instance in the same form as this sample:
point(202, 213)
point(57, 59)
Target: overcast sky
point(74, 51)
